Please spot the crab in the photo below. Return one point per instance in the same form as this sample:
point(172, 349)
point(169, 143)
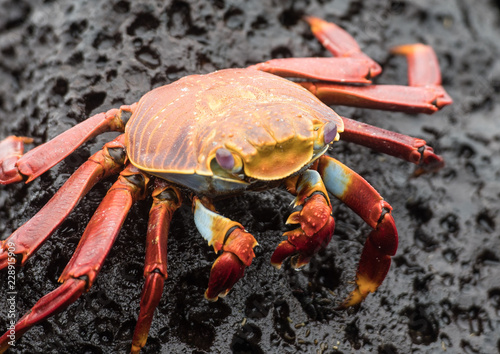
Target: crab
point(212, 136)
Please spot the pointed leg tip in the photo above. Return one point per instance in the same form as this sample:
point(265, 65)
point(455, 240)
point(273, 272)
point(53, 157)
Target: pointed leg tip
point(406, 49)
point(135, 349)
point(317, 24)
point(355, 298)
point(210, 297)
point(276, 265)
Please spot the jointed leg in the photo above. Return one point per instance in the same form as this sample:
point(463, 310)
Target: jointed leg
point(35, 162)
point(402, 146)
point(230, 237)
point(381, 243)
point(314, 217)
point(424, 95)
point(82, 269)
point(399, 98)
point(166, 200)
point(349, 65)
point(30, 236)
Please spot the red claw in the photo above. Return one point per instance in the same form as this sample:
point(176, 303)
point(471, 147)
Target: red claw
point(230, 266)
point(315, 233)
point(226, 271)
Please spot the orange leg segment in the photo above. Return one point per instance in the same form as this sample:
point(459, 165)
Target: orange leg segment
point(423, 66)
point(82, 269)
point(31, 235)
point(166, 200)
point(382, 242)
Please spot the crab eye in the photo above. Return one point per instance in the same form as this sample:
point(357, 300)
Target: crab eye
point(329, 132)
point(224, 158)
point(227, 160)
point(325, 134)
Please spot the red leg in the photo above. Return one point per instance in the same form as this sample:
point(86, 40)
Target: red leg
point(30, 236)
point(381, 243)
point(423, 66)
point(351, 65)
point(230, 237)
point(339, 42)
point(386, 97)
point(35, 162)
point(315, 219)
point(424, 95)
point(166, 200)
point(402, 146)
point(82, 269)
point(345, 70)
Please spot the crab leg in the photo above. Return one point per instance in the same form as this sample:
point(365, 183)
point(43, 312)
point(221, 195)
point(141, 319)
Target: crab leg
point(314, 217)
point(424, 95)
point(423, 65)
point(230, 237)
point(350, 64)
point(82, 269)
point(40, 159)
point(399, 98)
point(346, 70)
point(31, 235)
point(166, 200)
point(381, 243)
point(339, 42)
point(402, 146)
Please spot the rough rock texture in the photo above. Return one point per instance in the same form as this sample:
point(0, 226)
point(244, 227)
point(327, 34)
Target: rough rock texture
point(61, 61)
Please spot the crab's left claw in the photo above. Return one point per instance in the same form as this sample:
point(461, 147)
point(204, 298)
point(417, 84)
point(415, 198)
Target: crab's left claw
point(315, 220)
point(231, 238)
point(230, 266)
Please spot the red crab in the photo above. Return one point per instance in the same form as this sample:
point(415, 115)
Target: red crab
point(209, 136)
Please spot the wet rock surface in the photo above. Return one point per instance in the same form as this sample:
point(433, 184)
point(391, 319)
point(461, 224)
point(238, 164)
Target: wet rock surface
point(61, 61)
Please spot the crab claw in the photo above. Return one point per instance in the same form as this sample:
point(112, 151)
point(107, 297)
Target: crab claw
point(315, 232)
point(230, 266)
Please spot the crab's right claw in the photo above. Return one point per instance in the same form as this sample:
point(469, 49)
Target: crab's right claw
point(11, 149)
point(230, 266)
point(229, 237)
